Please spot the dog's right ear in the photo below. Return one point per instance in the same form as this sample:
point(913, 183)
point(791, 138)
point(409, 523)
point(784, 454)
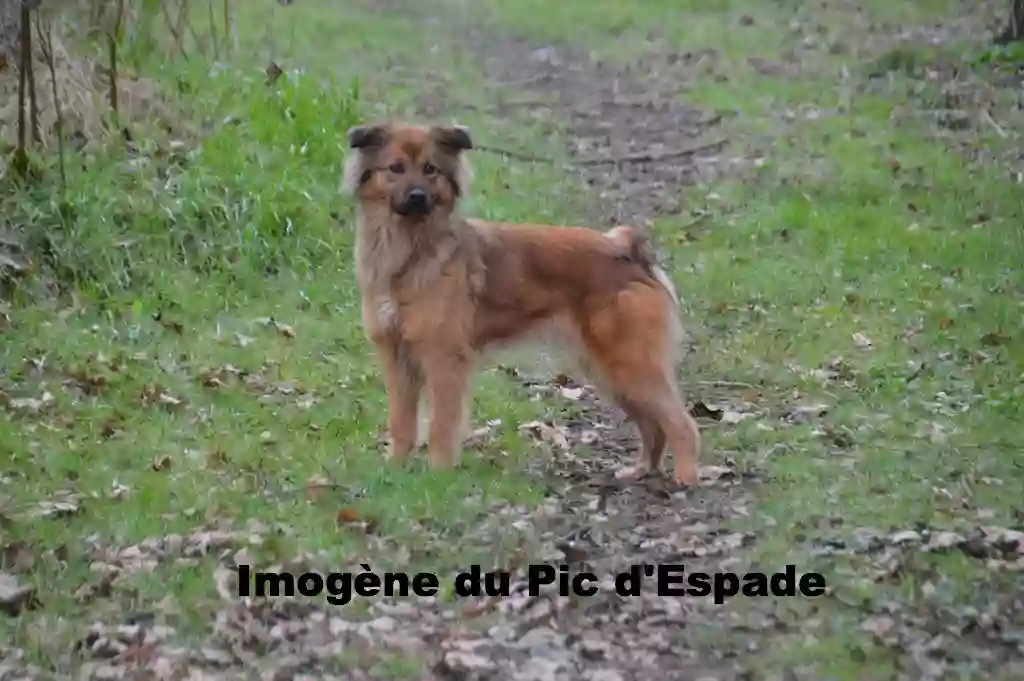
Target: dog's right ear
point(361, 138)
point(366, 136)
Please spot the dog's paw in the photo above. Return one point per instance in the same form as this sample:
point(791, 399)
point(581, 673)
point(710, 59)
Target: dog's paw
point(686, 477)
point(632, 473)
point(397, 455)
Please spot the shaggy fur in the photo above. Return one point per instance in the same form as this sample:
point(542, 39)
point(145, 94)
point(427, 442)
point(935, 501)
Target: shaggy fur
point(440, 291)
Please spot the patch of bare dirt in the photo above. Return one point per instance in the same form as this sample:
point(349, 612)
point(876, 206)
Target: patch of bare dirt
point(633, 140)
point(628, 135)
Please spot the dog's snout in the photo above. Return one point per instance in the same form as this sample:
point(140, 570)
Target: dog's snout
point(416, 198)
point(415, 201)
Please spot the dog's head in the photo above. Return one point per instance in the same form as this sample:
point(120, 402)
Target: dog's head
point(416, 171)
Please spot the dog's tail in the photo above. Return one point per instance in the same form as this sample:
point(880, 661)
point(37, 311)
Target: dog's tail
point(638, 248)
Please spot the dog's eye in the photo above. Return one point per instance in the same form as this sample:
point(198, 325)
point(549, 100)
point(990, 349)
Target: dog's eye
point(429, 169)
point(397, 168)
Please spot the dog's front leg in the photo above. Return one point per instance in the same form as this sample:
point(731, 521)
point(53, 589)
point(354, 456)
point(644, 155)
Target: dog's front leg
point(403, 382)
point(447, 383)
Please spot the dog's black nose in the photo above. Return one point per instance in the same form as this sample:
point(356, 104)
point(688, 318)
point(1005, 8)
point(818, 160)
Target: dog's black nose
point(416, 199)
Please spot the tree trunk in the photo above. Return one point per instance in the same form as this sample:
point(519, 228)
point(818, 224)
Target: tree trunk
point(10, 26)
point(1014, 30)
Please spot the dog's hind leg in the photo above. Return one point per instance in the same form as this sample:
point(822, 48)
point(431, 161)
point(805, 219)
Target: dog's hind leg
point(680, 429)
point(660, 411)
point(630, 340)
point(652, 441)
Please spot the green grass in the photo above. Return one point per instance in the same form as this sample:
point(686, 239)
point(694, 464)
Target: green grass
point(178, 265)
point(828, 242)
point(202, 410)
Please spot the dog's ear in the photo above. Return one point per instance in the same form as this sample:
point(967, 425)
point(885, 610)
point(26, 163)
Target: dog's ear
point(361, 138)
point(366, 136)
point(454, 137)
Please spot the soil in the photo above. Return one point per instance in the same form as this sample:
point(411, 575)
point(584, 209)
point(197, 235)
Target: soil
point(628, 133)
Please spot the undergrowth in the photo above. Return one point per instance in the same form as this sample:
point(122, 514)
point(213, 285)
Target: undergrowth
point(254, 194)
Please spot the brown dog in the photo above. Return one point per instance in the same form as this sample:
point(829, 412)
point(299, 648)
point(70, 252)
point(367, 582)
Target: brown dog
point(439, 291)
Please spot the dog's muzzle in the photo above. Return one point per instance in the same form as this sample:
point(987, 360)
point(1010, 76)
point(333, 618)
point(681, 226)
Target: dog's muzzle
point(415, 202)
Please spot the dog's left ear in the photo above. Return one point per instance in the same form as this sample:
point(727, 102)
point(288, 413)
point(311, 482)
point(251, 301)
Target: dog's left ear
point(454, 137)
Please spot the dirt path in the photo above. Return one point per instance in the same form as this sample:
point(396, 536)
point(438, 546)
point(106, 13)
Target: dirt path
point(629, 138)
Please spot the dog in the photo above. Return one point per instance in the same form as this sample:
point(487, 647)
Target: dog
point(440, 291)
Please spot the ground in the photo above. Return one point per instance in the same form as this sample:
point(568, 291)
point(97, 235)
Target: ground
point(835, 190)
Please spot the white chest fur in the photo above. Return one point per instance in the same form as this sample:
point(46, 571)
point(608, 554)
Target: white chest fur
point(385, 312)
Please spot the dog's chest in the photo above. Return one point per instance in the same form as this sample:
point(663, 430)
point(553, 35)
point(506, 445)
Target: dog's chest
point(381, 315)
point(385, 312)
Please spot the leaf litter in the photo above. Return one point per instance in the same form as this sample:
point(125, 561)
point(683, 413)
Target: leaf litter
point(587, 519)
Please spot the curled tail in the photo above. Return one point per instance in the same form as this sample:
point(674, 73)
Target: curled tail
point(638, 248)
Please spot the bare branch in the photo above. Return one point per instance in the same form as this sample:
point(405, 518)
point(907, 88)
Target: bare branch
point(214, 38)
point(230, 23)
point(30, 74)
point(46, 47)
point(179, 39)
point(25, 62)
point(112, 39)
point(1014, 30)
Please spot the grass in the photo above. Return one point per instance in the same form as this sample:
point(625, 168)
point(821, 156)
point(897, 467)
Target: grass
point(175, 402)
point(830, 241)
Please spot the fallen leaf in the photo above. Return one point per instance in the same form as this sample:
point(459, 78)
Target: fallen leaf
point(16, 556)
point(161, 463)
point(701, 410)
point(878, 626)
point(943, 540)
point(346, 515)
point(803, 413)
point(711, 473)
point(217, 459)
point(27, 405)
point(170, 401)
point(243, 341)
point(174, 326)
point(994, 338)
point(317, 486)
point(15, 598)
point(64, 508)
point(572, 393)
point(283, 329)
point(548, 433)
point(273, 72)
point(862, 341)
point(733, 417)
point(905, 537)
